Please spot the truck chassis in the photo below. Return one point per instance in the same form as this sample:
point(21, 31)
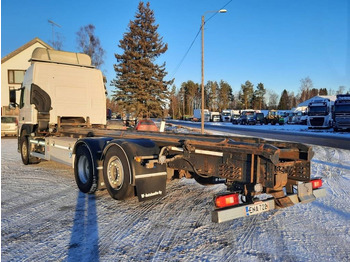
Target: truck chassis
point(260, 175)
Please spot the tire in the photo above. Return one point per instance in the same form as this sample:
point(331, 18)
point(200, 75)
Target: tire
point(116, 174)
point(84, 171)
point(25, 152)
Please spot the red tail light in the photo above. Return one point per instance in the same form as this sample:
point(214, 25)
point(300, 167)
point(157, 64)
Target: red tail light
point(227, 200)
point(316, 183)
point(16, 121)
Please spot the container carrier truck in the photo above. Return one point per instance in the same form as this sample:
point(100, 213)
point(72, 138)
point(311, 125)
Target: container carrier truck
point(63, 118)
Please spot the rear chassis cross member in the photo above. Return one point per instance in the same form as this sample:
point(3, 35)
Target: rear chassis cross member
point(248, 168)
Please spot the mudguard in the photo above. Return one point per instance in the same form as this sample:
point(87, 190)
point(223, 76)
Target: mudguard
point(150, 182)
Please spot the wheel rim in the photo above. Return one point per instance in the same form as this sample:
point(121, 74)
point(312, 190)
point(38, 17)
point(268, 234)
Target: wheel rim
point(115, 172)
point(24, 149)
point(83, 169)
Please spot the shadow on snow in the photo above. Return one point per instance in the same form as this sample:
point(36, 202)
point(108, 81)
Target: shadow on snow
point(83, 244)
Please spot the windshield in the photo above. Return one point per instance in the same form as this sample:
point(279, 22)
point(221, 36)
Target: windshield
point(318, 110)
point(342, 109)
point(225, 114)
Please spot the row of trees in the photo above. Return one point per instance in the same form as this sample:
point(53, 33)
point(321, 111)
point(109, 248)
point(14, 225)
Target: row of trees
point(219, 96)
point(140, 84)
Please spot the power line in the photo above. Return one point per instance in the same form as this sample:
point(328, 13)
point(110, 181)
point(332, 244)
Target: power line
point(194, 40)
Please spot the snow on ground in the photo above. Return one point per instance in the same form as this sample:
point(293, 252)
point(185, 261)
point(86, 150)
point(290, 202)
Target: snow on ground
point(45, 218)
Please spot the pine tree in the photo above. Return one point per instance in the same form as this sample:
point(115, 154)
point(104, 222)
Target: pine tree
point(284, 103)
point(212, 93)
point(140, 84)
point(246, 94)
point(190, 92)
point(258, 97)
point(323, 92)
point(225, 95)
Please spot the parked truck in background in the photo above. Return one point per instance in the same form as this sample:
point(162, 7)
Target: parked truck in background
point(214, 116)
point(226, 115)
point(320, 113)
point(197, 115)
point(235, 115)
point(63, 119)
point(341, 114)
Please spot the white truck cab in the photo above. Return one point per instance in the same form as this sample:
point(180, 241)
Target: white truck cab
point(61, 84)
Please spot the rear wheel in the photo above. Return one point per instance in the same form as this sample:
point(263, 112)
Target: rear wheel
point(85, 175)
point(116, 174)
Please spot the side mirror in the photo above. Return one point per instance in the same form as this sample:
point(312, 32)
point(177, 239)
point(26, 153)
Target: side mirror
point(13, 98)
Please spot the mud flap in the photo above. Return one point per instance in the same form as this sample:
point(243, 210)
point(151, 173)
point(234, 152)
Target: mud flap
point(284, 202)
point(149, 186)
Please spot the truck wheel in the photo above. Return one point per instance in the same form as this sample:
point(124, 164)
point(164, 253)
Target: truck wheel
point(25, 152)
point(116, 174)
point(85, 175)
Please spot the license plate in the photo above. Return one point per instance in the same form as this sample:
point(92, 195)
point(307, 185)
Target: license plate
point(257, 208)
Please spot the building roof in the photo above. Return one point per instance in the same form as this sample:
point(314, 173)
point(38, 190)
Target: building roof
point(23, 47)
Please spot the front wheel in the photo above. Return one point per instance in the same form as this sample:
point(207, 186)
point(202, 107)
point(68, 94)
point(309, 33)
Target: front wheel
point(25, 152)
point(84, 172)
point(116, 174)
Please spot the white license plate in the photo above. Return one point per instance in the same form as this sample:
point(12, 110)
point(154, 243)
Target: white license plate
point(257, 208)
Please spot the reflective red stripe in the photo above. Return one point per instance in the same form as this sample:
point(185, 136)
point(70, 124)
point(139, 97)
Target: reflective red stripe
point(227, 200)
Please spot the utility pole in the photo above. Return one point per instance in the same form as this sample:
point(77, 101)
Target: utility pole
point(202, 59)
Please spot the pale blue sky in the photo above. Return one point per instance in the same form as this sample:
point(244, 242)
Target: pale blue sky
point(276, 42)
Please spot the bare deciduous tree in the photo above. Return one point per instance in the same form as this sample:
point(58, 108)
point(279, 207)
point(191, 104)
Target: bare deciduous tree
point(90, 44)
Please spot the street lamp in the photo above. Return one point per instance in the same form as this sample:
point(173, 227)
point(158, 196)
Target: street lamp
point(202, 28)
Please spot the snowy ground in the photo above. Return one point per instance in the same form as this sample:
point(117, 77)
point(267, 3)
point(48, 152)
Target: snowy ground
point(45, 218)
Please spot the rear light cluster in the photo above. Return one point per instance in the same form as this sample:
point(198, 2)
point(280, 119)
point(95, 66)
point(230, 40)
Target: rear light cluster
point(226, 200)
point(316, 183)
point(223, 201)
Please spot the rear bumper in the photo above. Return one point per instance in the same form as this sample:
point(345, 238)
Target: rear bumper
point(219, 216)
